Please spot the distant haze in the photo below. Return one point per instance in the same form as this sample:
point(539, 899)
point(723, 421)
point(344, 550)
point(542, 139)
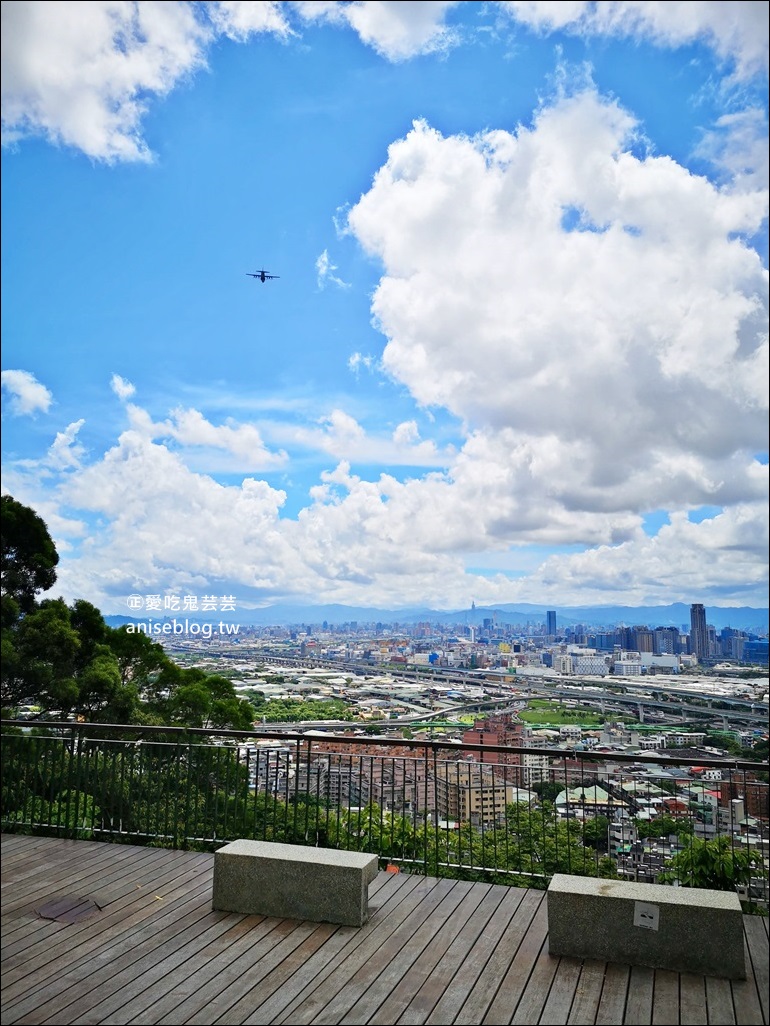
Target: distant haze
point(744, 618)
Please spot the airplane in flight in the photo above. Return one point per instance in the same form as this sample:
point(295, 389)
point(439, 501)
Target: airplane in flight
point(262, 275)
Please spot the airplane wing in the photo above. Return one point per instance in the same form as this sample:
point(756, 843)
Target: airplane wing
point(250, 275)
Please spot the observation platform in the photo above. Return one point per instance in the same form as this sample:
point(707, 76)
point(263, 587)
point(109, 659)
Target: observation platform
point(97, 933)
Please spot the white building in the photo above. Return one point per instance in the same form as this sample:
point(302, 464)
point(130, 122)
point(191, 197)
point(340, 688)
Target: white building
point(628, 665)
point(590, 663)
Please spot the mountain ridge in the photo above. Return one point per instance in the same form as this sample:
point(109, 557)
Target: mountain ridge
point(748, 618)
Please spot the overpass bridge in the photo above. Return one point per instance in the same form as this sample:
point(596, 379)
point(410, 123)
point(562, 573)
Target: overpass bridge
point(737, 711)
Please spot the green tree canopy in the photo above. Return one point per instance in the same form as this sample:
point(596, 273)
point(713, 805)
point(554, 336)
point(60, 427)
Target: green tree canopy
point(28, 556)
point(67, 660)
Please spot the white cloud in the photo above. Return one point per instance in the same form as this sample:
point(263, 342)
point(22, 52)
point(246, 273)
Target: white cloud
point(725, 555)
point(357, 360)
point(396, 29)
point(27, 394)
point(170, 527)
point(84, 75)
point(200, 440)
point(244, 441)
point(123, 389)
point(155, 525)
point(342, 437)
point(406, 433)
point(66, 452)
point(590, 314)
point(594, 320)
point(737, 145)
point(737, 31)
point(81, 74)
point(239, 19)
point(630, 343)
point(325, 270)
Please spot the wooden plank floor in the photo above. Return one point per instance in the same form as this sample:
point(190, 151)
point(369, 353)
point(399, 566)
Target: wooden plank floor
point(148, 949)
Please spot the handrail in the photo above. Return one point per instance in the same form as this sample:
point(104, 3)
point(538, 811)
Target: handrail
point(744, 765)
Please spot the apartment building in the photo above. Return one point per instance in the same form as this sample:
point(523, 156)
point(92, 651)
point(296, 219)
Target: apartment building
point(473, 793)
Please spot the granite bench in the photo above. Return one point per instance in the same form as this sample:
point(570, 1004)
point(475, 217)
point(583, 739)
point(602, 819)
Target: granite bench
point(686, 929)
point(291, 881)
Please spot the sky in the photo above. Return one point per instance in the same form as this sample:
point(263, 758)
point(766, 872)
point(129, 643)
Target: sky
point(517, 348)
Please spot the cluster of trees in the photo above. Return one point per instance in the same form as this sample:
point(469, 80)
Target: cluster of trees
point(65, 660)
point(276, 710)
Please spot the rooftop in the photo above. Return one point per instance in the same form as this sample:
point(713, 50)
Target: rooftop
point(95, 932)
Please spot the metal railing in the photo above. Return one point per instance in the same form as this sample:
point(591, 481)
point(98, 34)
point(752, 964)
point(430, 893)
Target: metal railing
point(507, 814)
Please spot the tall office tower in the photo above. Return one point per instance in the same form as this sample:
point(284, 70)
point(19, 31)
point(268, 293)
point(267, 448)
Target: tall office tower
point(666, 641)
point(643, 639)
point(550, 626)
point(699, 636)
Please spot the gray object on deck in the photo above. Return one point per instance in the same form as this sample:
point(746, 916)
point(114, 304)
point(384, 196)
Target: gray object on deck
point(686, 929)
point(291, 881)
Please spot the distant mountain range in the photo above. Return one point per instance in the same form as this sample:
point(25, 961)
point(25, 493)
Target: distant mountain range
point(746, 618)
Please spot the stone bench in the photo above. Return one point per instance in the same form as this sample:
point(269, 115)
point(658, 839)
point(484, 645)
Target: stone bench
point(290, 881)
point(686, 929)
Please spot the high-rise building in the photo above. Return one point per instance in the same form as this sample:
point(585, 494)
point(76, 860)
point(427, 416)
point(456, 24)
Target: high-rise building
point(699, 636)
point(643, 639)
point(666, 641)
point(550, 624)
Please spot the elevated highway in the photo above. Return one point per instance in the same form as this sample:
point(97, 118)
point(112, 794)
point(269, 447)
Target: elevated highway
point(720, 711)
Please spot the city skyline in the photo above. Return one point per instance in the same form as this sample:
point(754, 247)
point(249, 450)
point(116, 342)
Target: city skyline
point(517, 345)
point(533, 620)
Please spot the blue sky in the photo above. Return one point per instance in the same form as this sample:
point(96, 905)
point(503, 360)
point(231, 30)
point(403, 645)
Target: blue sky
point(517, 351)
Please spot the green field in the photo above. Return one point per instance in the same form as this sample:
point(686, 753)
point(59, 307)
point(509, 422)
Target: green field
point(545, 713)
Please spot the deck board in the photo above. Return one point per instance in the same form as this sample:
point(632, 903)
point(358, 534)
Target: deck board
point(612, 1004)
point(719, 1002)
point(535, 995)
point(759, 953)
point(70, 961)
point(437, 953)
point(641, 982)
point(588, 993)
point(485, 989)
point(562, 994)
point(692, 1000)
point(665, 1005)
point(412, 961)
point(422, 1002)
point(37, 948)
point(515, 976)
point(350, 982)
point(433, 951)
point(472, 965)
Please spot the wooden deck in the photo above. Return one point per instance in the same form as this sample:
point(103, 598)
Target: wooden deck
point(136, 941)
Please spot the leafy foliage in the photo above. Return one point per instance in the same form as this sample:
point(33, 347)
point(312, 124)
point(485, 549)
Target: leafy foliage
point(28, 557)
point(66, 660)
point(716, 864)
point(277, 711)
point(661, 826)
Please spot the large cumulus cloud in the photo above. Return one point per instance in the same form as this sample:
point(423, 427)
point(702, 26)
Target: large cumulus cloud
point(560, 283)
